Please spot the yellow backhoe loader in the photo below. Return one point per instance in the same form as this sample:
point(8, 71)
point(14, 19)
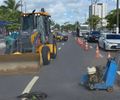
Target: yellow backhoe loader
point(33, 47)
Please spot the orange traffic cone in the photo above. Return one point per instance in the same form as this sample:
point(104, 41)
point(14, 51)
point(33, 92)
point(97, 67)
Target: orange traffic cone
point(83, 44)
point(77, 40)
point(97, 52)
point(86, 46)
point(109, 55)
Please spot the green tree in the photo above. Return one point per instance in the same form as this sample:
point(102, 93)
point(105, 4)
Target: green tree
point(57, 26)
point(12, 5)
point(12, 15)
point(52, 22)
point(93, 21)
point(111, 19)
point(68, 27)
point(3, 14)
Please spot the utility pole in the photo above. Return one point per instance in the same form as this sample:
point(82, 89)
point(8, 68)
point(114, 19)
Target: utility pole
point(25, 7)
point(21, 6)
point(92, 15)
point(117, 24)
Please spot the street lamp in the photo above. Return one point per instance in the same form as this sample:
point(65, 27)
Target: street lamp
point(117, 10)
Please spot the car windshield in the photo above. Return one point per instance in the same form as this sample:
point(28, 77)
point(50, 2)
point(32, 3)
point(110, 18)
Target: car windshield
point(95, 33)
point(113, 37)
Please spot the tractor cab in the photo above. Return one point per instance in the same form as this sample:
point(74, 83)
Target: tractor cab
point(38, 21)
point(34, 27)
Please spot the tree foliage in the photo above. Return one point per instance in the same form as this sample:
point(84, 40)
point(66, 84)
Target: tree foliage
point(93, 21)
point(112, 19)
point(68, 27)
point(9, 12)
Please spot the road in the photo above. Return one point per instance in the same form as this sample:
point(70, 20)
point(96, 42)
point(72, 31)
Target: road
point(61, 79)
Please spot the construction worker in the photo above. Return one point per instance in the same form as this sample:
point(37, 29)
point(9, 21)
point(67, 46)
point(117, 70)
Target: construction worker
point(9, 43)
point(77, 29)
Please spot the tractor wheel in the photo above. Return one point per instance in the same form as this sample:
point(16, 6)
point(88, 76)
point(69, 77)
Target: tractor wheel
point(54, 53)
point(110, 89)
point(46, 55)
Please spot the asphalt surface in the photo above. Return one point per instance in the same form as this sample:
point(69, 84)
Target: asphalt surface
point(61, 79)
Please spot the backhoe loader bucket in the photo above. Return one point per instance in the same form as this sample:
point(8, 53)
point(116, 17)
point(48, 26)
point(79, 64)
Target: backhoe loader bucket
point(19, 63)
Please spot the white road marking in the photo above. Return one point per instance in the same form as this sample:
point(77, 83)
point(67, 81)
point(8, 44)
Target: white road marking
point(63, 43)
point(59, 48)
point(91, 47)
point(118, 72)
point(30, 85)
point(101, 55)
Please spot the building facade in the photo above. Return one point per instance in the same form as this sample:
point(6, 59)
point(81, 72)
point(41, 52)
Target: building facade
point(99, 9)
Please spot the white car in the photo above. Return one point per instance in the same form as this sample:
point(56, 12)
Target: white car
point(109, 41)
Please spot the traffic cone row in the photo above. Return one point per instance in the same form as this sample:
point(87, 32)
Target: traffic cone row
point(86, 46)
point(98, 53)
point(80, 41)
point(83, 44)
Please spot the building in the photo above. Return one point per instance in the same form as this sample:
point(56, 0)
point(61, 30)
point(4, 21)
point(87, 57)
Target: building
point(99, 9)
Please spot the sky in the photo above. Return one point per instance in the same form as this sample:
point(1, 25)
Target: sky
point(64, 10)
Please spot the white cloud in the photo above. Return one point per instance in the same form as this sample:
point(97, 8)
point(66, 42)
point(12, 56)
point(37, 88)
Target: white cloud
point(1, 2)
point(63, 10)
point(59, 8)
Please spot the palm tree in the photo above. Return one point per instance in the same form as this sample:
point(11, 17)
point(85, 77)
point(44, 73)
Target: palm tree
point(12, 9)
point(12, 5)
point(3, 14)
point(13, 13)
point(93, 21)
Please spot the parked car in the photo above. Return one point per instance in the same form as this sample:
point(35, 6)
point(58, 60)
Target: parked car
point(93, 36)
point(109, 41)
point(61, 36)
